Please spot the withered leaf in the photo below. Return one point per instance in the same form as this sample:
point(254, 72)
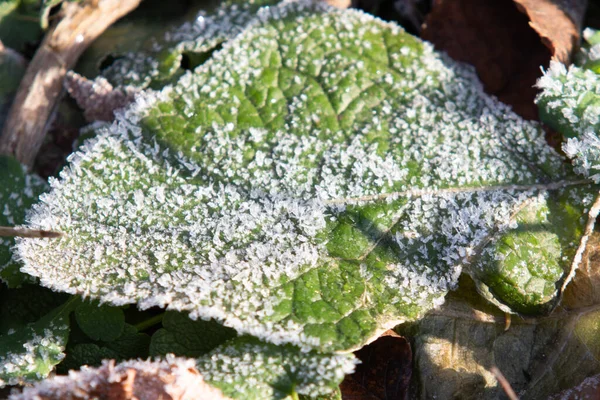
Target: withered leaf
point(384, 372)
point(507, 41)
point(459, 343)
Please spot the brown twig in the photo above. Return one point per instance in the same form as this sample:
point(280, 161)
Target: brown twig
point(28, 233)
point(41, 87)
point(508, 390)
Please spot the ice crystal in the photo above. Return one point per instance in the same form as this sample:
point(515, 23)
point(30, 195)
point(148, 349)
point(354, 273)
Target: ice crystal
point(320, 179)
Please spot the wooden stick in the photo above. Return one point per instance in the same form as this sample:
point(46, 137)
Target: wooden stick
point(28, 233)
point(41, 87)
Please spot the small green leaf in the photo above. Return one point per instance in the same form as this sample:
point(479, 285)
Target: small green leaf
point(80, 351)
point(570, 103)
point(131, 344)
point(588, 56)
point(184, 337)
point(27, 304)
point(100, 322)
point(86, 354)
point(248, 369)
point(31, 352)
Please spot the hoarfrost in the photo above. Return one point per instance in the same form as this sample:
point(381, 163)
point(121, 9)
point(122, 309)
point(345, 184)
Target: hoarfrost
point(281, 188)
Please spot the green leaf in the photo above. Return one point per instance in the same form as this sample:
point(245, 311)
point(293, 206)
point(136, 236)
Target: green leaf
point(19, 23)
point(100, 322)
point(588, 56)
point(130, 344)
point(18, 191)
point(322, 178)
point(27, 304)
point(86, 354)
point(12, 69)
point(246, 368)
point(31, 352)
point(569, 102)
point(184, 337)
point(160, 60)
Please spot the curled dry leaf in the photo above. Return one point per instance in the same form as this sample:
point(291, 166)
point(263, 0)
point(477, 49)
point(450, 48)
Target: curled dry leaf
point(498, 39)
point(557, 22)
point(98, 98)
point(384, 372)
point(459, 343)
point(172, 379)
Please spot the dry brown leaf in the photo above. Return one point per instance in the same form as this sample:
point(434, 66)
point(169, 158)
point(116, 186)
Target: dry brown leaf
point(588, 389)
point(171, 379)
point(459, 343)
point(98, 99)
point(384, 372)
point(557, 22)
point(583, 289)
point(506, 48)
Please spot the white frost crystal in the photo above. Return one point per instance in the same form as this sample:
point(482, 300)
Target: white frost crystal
point(570, 95)
point(228, 194)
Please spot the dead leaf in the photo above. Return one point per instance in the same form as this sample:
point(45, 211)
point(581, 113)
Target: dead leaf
point(384, 372)
point(170, 379)
point(497, 39)
point(457, 345)
point(98, 99)
point(588, 389)
point(557, 22)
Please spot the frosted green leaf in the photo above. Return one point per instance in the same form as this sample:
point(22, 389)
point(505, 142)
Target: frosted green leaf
point(31, 352)
point(100, 322)
point(569, 102)
point(589, 54)
point(160, 59)
point(184, 337)
point(248, 369)
point(322, 178)
point(130, 344)
point(86, 354)
point(18, 191)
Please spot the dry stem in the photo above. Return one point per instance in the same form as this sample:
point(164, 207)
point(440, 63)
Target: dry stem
point(41, 87)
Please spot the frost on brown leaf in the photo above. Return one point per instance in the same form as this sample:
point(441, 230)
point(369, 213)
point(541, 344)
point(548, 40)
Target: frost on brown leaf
point(506, 41)
point(98, 98)
point(171, 379)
